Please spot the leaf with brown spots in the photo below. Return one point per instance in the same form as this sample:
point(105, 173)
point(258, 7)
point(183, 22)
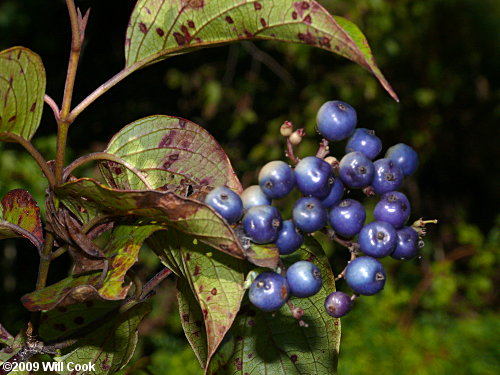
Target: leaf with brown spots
point(165, 209)
point(71, 290)
point(211, 285)
point(173, 154)
point(122, 252)
point(5, 337)
point(276, 344)
point(22, 88)
point(110, 347)
point(20, 217)
point(65, 320)
point(161, 29)
point(192, 320)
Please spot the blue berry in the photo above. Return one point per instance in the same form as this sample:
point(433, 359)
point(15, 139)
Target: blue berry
point(226, 202)
point(338, 304)
point(304, 279)
point(314, 177)
point(276, 179)
point(347, 218)
point(393, 208)
point(254, 196)
point(336, 120)
point(309, 214)
point(269, 291)
point(407, 245)
point(365, 275)
point(289, 238)
point(356, 170)
point(377, 239)
point(404, 156)
point(336, 194)
point(364, 141)
point(388, 176)
point(262, 224)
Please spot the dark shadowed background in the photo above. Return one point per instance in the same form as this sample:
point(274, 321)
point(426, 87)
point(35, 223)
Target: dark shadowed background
point(438, 314)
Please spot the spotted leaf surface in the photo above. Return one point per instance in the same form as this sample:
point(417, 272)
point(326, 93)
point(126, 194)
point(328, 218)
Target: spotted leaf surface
point(267, 344)
point(216, 283)
point(65, 320)
point(22, 88)
point(159, 29)
point(165, 209)
point(173, 154)
point(192, 320)
point(20, 217)
point(122, 252)
point(108, 348)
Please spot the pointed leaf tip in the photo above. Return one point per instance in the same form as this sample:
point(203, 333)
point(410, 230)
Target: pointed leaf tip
point(158, 30)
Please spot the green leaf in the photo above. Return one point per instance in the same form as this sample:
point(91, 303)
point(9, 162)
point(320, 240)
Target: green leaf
point(165, 209)
point(111, 346)
point(276, 344)
point(65, 320)
point(173, 153)
point(14, 345)
point(160, 29)
point(73, 289)
point(192, 320)
point(122, 251)
point(22, 88)
point(215, 281)
point(20, 217)
point(5, 337)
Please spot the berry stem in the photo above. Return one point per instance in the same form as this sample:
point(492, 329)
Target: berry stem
point(323, 149)
point(420, 224)
point(353, 247)
point(293, 140)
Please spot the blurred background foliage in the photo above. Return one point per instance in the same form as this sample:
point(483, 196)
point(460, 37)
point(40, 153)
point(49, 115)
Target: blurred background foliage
point(438, 314)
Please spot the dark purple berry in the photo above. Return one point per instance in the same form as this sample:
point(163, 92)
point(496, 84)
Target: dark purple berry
point(262, 224)
point(276, 179)
point(347, 218)
point(356, 170)
point(364, 141)
point(309, 214)
point(336, 194)
point(336, 120)
point(404, 156)
point(226, 202)
point(314, 177)
point(289, 238)
point(377, 239)
point(254, 196)
point(365, 275)
point(304, 279)
point(388, 176)
point(338, 304)
point(269, 291)
point(393, 208)
point(407, 245)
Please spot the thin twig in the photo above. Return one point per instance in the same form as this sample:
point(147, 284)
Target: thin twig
point(155, 281)
point(101, 90)
point(53, 105)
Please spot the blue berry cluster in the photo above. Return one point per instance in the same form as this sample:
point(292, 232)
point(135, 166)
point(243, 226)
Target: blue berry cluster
point(323, 182)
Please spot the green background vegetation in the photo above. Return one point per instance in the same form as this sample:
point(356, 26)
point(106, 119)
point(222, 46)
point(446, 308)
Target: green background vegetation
point(438, 314)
